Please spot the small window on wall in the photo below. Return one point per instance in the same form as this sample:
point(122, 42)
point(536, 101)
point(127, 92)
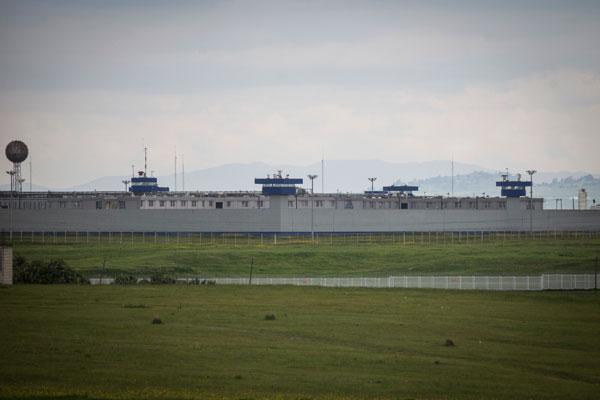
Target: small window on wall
point(172, 203)
point(183, 203)
point(121, 204)
point(194, 203)
point(99, 205)
point(260, 203)
point(228, 204)
point(291, 203)
point(150, 203)
point(244, 203)
point(161, 203)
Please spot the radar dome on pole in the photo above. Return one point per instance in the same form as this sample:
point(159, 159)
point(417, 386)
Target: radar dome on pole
point(16, 151)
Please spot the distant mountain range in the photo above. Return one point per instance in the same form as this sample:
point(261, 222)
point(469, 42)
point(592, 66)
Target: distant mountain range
point(433, 177)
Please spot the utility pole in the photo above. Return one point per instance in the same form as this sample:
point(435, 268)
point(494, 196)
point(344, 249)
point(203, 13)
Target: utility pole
point(531, 172)
point(312, 206)
point(125, 182)
point(596, 274)
point(372, 183)
point(251, 268)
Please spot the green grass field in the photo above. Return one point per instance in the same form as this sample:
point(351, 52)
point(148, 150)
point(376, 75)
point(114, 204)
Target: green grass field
point(342, 258)
point(98, 342)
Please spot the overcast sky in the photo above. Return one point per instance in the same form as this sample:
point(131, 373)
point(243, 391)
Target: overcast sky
point(501, 84)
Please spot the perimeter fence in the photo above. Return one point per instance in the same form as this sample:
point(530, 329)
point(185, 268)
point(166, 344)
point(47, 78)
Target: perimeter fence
point(409, 238)
point(508, 283)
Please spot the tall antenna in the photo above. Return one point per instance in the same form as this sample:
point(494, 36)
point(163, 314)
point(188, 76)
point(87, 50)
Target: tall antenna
point(452, 175)
point(182, 174)
point(145, 161)
point(323, 173)
point(175, 163)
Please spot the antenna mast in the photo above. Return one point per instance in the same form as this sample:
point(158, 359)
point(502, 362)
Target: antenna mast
point(175, 164)
point(145, 161)
point(452, 175)
point(182, 174)
point(323, 173)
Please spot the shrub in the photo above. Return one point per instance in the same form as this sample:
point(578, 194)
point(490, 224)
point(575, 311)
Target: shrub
point(270, 317)
point(126, 280)
point(156, 321)
point(159, 278)
point(55, 271)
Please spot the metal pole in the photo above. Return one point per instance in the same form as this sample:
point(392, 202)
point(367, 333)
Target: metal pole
point(596, 274)
point(531, 172)
point(312, 206)
point(251, 268)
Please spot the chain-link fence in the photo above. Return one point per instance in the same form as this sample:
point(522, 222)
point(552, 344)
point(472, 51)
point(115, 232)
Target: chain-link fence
point(521, 283)
point(293, 238)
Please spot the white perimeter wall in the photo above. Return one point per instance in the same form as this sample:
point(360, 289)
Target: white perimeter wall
point(295, 220)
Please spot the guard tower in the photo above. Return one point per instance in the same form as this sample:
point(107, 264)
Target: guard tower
point(513, 189)
point(401, 189)
point(277, 185)
point(144, 184)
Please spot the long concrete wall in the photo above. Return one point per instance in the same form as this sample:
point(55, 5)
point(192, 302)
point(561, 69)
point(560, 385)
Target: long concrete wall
point(295, 220)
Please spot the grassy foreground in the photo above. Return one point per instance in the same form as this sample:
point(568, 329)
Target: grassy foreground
point(514, 257)
point(214, 342)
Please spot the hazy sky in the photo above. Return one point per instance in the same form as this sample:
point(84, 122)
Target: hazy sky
point(501, 84)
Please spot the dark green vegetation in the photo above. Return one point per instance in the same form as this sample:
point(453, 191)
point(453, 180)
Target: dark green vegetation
point(39, 271)
point(339, 256)
point(216, 342)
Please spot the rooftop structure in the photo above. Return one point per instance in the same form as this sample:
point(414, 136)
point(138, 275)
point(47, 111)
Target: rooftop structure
point(277, 185)
point(513, 189)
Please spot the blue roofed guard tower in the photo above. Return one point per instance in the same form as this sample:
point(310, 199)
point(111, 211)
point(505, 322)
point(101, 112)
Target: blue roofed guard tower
point(278, 188)
point(144, 184)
